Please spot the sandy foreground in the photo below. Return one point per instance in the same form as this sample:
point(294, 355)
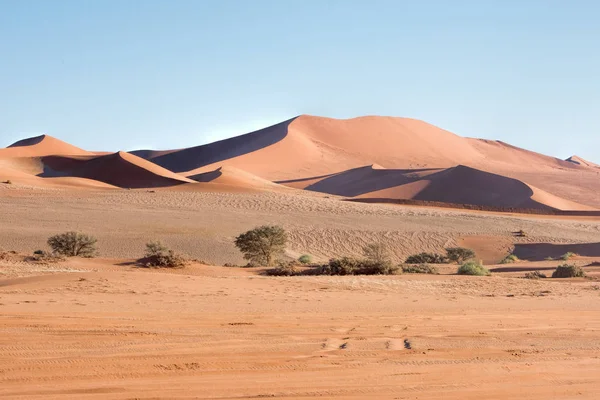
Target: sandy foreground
point(104, 329)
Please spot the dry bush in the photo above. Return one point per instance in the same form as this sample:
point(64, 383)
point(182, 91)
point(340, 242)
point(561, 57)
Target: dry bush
point(160, 256)
point(73, 244)
point(284, 269)
point(568, 271)
point(535, 275)
point(509, 259)
point(45, 257)
point(427, 258)
point(420, 269)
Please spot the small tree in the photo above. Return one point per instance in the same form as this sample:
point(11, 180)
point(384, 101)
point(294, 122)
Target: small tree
point(73, 244)
point(459, 254)
point(376, 252)
point(261, 244)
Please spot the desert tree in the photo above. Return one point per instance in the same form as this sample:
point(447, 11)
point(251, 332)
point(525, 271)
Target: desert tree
point(262, 244)
point(73, 244)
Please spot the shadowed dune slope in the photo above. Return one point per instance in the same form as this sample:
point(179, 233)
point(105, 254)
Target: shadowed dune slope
point(119, 169)
point(580, 161)
point(234, 177)
point(458, 185)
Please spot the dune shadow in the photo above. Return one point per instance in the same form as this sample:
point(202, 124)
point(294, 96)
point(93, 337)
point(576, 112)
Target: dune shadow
point(522, 269)
point(542, 251)
point(207, 176)
point(196, 157)
point(362, 180)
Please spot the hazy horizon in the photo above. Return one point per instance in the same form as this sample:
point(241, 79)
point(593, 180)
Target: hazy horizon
point(161, 75)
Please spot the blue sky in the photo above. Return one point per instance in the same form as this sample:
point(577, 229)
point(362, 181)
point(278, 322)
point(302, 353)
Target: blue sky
point(109, 75)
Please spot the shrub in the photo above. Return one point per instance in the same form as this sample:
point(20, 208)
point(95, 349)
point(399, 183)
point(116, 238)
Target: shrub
point(535, 275)
point(284, 269)
point(369, 267)
point(73, 244)
point(521, 233)
point(376, 252)
point(473, 268)
point(8, 182)
point(340, 266)
point(567, 256)
point(159, 255)
point(509, 259)
point(427, 258)
point(459, 254)
point(261, 244)
point(419, 269)
point(568, 271)
point(305, 259)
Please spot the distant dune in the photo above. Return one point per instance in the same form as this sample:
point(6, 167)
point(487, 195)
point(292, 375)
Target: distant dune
point(367, 157)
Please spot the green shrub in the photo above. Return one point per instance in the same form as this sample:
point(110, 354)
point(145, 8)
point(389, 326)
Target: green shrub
point(535, 275)
point(568, 271)
point(159, 255)
point(73, 244)
point(567, 256)
point(420, 269)
point(473, 268)
point(427, 258)
point(459, 254)
point(305, 259)
point(509, 259)
point(260, 245)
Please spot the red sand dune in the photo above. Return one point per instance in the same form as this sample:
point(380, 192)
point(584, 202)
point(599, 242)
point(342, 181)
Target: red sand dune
point(119, 169)
point(39, 146)
point(307, 152)
point(409, 159)
point(234, 177)
point(580, 161)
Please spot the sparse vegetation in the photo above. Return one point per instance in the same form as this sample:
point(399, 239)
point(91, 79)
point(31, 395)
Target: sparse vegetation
point(568, 271)
point(160, 256)
point(510, 259)
point(7, 182)
point(520, 233)
point(45, 257)
point(420, 269)
point(73, 244)
point(473, 268)
point(284, 269)
point(459, 254)
point(427, 258)
point(535, 275)
point(260, 245)
point(567, 256)
point(305, 259)
point(377, 253)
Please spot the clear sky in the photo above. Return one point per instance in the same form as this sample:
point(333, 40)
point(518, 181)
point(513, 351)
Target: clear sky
point(127, 74)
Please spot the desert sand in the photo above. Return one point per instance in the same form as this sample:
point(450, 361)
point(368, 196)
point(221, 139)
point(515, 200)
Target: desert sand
point(104, 328)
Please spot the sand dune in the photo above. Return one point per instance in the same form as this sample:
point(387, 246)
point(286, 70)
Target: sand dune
point(580, 161)
point(406, 159)
point(235, 177)
point(310, 152)
point(39, 146)
point(119, 169)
